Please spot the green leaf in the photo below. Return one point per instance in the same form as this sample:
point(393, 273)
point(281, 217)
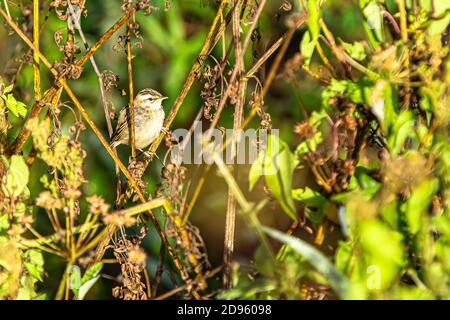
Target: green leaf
point(16, 107)
point(92, 272)
point(307, 48)
point(314, 15)
point(311, 199)
point(17, 177)
point(343, 256)
point(4, 222)
point(355, 50)
point(257, 170)
point(401, 130)
point(441, 9)
point(8, 89)
point(264, 262)
point(383, 249)
point(277, 165)
point(384, 104)
point(316, 258)
point(309, 145)
point(357, 92)
point(418, 203)
point(35, 257)
point(74, 279)
point(33, 270)
point(311, 36)
point(374, 18)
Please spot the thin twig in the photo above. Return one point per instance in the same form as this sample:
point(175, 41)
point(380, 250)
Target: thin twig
point(76, 21)
point(131, 92)
point(36, 73)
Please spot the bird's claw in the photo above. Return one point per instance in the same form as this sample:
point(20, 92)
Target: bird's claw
point(165, 130)
point(149, 155)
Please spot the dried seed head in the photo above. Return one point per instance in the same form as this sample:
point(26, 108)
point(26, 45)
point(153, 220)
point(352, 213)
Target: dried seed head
point(305, 130)
point(97, 205)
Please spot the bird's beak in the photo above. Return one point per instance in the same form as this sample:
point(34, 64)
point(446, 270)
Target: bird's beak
point(163, 98)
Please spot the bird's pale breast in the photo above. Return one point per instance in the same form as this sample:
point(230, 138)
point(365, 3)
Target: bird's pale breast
point(147, 131)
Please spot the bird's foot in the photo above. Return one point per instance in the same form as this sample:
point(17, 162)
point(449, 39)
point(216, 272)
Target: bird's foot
point(165, 130)
point(148, 155)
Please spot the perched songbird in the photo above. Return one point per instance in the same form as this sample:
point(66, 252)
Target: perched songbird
point(148, 120)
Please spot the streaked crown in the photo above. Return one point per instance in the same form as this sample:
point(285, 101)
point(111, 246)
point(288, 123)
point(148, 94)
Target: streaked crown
point(149, 95)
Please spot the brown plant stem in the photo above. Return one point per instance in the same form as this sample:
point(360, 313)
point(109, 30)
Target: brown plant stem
point(36, 73)
point(131, 91)
point(230, 218)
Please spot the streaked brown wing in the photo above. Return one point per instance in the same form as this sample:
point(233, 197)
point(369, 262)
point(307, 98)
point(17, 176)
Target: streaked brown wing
point(121, 132)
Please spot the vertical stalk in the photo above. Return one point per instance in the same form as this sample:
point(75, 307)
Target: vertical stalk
point(230, 222)
point(36, 73)
point(403, 20)
point(404, 33)
point(131, 92)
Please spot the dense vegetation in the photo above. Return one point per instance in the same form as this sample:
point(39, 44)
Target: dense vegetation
point(356, 208)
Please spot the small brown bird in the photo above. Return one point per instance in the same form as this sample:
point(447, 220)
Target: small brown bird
point(148, 120)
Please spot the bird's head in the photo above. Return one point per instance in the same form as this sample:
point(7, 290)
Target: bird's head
point(149, 98)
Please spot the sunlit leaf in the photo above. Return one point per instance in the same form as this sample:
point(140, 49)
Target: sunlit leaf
point(307, 48)
point(418, 203)
point(315, 203)
point(383, 249)
point(355, 50)
point(19, 109)
point(277, 165)
point(74, 279)
point(401, 130)
point(374, 18)
point(92, 272)
point(441, 9)
point(17, 177)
